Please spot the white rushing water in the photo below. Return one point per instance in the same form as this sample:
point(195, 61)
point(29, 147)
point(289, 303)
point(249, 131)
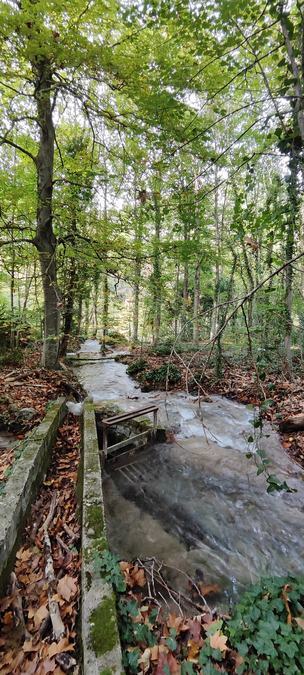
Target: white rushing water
point(197, 503)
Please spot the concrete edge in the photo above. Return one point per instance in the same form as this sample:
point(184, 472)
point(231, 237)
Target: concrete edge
point(100, 636)
point(23, 482)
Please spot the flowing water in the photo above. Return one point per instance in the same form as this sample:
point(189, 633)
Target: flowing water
point(197, 503)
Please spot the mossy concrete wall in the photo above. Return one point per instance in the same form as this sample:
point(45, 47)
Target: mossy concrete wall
point(23, 482)
point(100, 637)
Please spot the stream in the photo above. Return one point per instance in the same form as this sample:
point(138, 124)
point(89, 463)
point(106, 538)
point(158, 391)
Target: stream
point(197, 503)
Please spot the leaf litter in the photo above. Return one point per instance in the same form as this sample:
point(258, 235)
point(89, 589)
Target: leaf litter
point(26, 635)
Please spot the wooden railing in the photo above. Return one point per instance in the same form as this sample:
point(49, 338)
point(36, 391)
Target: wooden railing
point(108, 422)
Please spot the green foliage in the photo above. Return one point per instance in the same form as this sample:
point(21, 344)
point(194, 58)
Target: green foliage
point(166, 373)
point(137, 366)
point(274, 484)
point(262, 631)
point(115, 338)
point(12, 357)
point(107, 565)
point(130, 660)
point(133, 634)
point(162, 350)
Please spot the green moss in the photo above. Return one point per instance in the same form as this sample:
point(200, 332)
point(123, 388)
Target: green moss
point(97, 546)
point(106, 671)
point(104, 633)
point(94, 521)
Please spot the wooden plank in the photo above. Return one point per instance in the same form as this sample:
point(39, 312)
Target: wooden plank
point(127, 441)
point(115, 419)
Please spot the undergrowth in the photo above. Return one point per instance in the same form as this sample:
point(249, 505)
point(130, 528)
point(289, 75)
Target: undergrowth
point(265, 633)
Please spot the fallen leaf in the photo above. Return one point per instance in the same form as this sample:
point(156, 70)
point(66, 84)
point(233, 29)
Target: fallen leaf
point(175, 622)
point(162, 666)
point(173, 664)
point(208, 589)
point(57, 647)
point(24, 554)
point(218, 641)
point(29, 647)
point(49, 666)
point(144, 660)
point(67, 587)
point(139, 578)
point(154, 653)
point(193, 649)
point(195, 627)
point(40, 615)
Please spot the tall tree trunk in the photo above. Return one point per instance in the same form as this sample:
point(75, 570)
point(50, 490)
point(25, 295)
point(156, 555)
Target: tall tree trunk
point(45, 239)
point(185, 312)
point(79, 315)
point(105, 308)
point(69, 308)
point(196, 301)
point(177, 302)
point(137, 267)
point(136, 302)
point(12, 299)
point(157, 287)
point(87, 317)
point(70, 285)
point(289, 249)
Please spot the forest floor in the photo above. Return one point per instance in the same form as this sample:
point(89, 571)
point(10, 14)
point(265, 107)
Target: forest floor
point(239, 382)
point(160, 643)
point(26, 642)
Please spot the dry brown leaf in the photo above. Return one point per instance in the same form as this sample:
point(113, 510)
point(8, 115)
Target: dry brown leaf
point(195, 627)
point(30, 667)
point(139, 577)
point(208, 589)
point(28, 646)
point(175, 622)
point(124, 566)
point(154, 653)
point(193, 649)
point(173, 664)
point(40, 615)
point(144, 660)
point(48, 666)
point(24, 554)
point(285, 597)
point(218, 641)
point(57, 647)
point(67, 587)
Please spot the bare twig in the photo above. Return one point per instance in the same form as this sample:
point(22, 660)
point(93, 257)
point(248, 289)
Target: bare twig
point(17, 606)
point(57, 623)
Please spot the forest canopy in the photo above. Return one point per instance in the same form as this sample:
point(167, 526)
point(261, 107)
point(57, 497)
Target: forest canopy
point(151, 173)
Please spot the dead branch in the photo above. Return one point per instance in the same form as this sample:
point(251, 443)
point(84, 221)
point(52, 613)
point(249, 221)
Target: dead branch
point(57, 623)
point(17, 606)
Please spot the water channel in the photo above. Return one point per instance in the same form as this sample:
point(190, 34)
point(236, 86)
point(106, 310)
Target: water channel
point(197, 503)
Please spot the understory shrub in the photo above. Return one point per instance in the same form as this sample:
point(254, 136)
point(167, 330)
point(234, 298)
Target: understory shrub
point(137, 367)
point(161, 350)
point(113, 338)
point(11, 356)
point(267, 625)
point(164, 373)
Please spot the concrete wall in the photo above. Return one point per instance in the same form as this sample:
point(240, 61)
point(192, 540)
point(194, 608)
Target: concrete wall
point(21, 487)
point(100, 637)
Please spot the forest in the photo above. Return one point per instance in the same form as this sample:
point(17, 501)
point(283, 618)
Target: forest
point(151, 173)
point(152, 212)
